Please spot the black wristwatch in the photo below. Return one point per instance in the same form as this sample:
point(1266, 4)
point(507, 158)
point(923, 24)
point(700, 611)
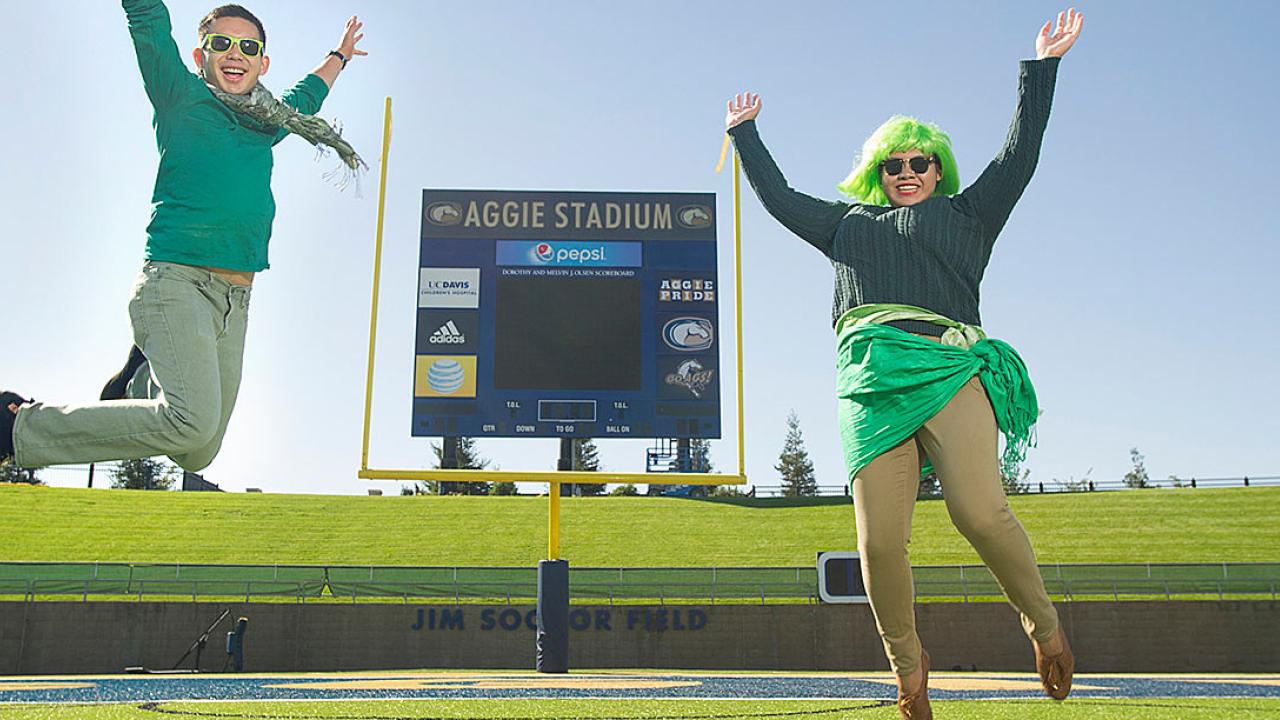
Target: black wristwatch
point(340, 56)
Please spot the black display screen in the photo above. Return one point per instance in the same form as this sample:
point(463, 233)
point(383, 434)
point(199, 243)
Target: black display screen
point(567, 333)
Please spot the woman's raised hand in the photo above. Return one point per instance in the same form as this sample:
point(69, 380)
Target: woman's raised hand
point(1055, 41)
point(742, 107)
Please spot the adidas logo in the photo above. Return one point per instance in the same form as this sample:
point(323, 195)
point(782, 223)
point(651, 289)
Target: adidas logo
point(448, 334)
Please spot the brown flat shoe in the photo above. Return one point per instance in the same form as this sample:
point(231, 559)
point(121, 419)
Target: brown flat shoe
point(916, 705)
point(1056, 671)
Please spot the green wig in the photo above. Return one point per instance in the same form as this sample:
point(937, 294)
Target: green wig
point(900, 133)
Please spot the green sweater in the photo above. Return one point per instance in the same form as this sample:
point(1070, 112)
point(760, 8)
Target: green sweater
point(931, 255)
point(212, 202)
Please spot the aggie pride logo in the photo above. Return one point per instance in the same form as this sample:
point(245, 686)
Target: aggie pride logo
point(687, 290)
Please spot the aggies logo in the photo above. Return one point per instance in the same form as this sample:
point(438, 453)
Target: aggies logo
point(448, 334)
point(692, 376)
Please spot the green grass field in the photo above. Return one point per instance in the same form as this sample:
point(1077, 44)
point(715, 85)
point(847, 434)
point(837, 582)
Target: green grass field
point(61, 524)
point(48, 524)
point(1082, 709)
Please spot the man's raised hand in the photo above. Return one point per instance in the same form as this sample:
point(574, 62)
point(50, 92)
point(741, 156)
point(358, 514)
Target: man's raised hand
point(350, 36)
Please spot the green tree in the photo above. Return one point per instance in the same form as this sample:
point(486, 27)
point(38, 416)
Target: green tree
point(503, 487)
point(700, 455)
point(143, 474)
point(585, 459)
point(1137, 477)
point(627, 490)
point(465, 457)
point(10, 473)
point(700, 461)
point(1015, 480)
point(794, 464)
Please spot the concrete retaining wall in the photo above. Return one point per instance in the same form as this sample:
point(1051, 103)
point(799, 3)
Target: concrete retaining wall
point(106, 637)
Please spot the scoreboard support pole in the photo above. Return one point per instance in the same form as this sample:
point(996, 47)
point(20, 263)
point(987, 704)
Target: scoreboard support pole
point(553, 521)
point(564, 464)
point(553, 616)
point(553, 582)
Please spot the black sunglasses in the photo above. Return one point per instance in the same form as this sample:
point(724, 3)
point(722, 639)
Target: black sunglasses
point(919, 165)
point(218, 43)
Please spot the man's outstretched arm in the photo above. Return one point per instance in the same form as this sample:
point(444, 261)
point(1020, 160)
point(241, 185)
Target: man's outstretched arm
point(308, 95)
point(163, 73)
point(334, 65)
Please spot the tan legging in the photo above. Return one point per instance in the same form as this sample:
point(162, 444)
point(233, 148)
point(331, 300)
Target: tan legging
point(961, 442)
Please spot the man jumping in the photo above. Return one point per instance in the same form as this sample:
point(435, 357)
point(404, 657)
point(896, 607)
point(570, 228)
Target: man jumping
point(212, 210)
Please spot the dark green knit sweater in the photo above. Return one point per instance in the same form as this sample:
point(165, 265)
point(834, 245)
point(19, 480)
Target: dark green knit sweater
point(932, 254)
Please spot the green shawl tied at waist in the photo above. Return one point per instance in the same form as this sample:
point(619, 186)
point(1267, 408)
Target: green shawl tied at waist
point(890, 382)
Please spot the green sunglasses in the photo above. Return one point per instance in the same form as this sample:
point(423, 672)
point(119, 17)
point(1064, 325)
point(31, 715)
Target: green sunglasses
point(217, 43)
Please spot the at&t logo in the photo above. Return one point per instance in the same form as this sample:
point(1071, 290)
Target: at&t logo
point(446, 376)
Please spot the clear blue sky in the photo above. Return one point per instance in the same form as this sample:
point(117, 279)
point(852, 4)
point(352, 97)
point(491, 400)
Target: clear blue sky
point(1136, 276)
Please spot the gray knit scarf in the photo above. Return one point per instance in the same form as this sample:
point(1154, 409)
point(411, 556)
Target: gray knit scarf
point(260, 105)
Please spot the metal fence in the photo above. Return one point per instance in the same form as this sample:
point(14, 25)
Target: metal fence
point(63, 473)
point(1074, 486)
point(1115, 580)
point(302, 583)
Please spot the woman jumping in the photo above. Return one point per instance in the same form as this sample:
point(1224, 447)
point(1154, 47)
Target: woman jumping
point(918, 381)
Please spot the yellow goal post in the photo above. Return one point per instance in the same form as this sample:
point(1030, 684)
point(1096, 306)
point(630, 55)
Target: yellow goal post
point(554, 478)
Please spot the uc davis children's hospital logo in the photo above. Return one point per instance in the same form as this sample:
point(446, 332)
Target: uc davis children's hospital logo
point(440, 287)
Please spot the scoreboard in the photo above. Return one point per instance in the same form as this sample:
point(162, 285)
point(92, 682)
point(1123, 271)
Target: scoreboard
point(567, 314)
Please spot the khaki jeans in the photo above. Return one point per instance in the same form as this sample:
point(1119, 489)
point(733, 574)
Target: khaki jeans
point(961, 442)
point(190, 324)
